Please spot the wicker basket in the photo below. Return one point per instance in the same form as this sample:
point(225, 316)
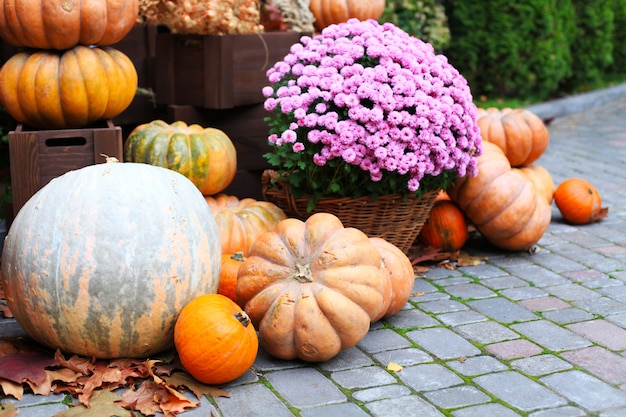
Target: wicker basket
point(393, 217)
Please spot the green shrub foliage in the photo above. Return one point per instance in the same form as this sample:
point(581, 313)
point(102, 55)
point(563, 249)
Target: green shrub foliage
point(507, 48)
point(424, 19)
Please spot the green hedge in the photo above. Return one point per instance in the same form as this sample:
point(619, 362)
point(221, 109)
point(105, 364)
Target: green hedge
point(536, 49)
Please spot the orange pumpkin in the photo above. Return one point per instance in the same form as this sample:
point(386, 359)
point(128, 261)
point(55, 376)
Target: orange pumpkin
point(446, 227)
point(240, 222)
point(504, 206)
point(67, 89)
point(541, 179)
point(579, 201)
point(52, 24)
point(337, 11)
point(400, 275)
point(215, 340)
point(228, 275)
point(521, 134)
point(311, 288)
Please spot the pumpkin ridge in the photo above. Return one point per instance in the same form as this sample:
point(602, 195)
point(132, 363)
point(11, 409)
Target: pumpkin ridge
point(489, 211)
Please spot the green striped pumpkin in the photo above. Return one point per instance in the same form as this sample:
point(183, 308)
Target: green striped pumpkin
point(206, 156)
point(101, 260)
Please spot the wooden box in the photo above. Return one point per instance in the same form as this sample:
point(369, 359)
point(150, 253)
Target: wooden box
point(38, 156)
point(217, 72)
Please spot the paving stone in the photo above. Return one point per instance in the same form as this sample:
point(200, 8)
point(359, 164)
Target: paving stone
point(502, 310)
point(304, 388)
point(502, 283)
point(470, 291)
point(343, 410)
point(254, 400)
point(439, 273)
point(482, 271)
point(585, 390)
point(443, 343)
point(451, 281)
point(408, 319)
point(621, 412)
point(572, 292)
point(519, 391)
point(618, 319)
point(544, 304)
point(487, 332)
point(477, 365)
point(523, 293)
point(559, 412)
point(380, 393)
point(485, 410)
point(461, 317)
point(605, 364)
point(442, 306)
point(382, 340)
point(369, 376)
point(403, 407)
point(347, 359)
point(265, 362)
point(429, 377)
point(403, 357)
point(429, 296)
point(551, 336)
point(540, 365)
point(513, 349)
point(555, 262)
point(422, 285)
point(602, 332)
point(536, 274)
point(567, 315)
point(456, 397)
point(602, 306)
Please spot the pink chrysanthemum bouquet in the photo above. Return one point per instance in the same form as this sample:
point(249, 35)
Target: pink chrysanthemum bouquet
point(365, 109)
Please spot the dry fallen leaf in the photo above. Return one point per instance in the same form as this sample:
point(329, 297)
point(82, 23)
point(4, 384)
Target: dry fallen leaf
point(102, 404)
point(8, 410)
point(394, 367)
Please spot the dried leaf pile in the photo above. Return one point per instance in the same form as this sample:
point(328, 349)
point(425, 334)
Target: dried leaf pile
point(107, 387)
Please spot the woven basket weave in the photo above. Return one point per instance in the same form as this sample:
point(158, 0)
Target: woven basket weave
point(395, 218)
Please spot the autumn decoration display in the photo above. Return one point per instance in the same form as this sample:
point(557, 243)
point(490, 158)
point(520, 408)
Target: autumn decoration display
point(205, 155)
point(120, 249)
point(446, 228)
point(579, 201)
point(206, 17)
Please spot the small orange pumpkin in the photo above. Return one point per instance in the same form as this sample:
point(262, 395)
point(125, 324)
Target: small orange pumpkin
point(240, 222)
point(215, 340)
point(228, 275)
point(400, 275)
point(337, 11)
point(446, 228)
point(579, 202)
point(521, 134)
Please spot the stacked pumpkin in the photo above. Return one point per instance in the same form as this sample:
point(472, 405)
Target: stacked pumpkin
point(62, 80)
point(509, 200)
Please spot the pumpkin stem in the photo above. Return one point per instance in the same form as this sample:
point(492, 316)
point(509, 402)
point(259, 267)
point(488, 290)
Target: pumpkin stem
point(237, 256)
point(243, 318)
point(303, 273)
point(109, 159)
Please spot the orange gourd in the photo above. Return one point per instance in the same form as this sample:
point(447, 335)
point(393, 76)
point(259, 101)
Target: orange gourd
point(337, 11)
point(228, 275)
point(541, 179)
point(240, 222)
point(579, 201)
point(400, 275)
point(521, 134)
point(446, 227)
point(504, 205)
point(215, 340)
point(67, 89)
point(311, 288)
point(205, 155)
point(53, 24)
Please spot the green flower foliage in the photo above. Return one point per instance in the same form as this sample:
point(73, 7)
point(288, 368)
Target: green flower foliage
point(424, 19)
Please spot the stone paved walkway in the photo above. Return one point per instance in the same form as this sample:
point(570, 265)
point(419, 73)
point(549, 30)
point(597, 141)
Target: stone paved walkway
point(537, 335)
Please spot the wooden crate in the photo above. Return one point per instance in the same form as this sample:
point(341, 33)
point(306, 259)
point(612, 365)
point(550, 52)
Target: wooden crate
point(217, 72)
point(38, 156)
